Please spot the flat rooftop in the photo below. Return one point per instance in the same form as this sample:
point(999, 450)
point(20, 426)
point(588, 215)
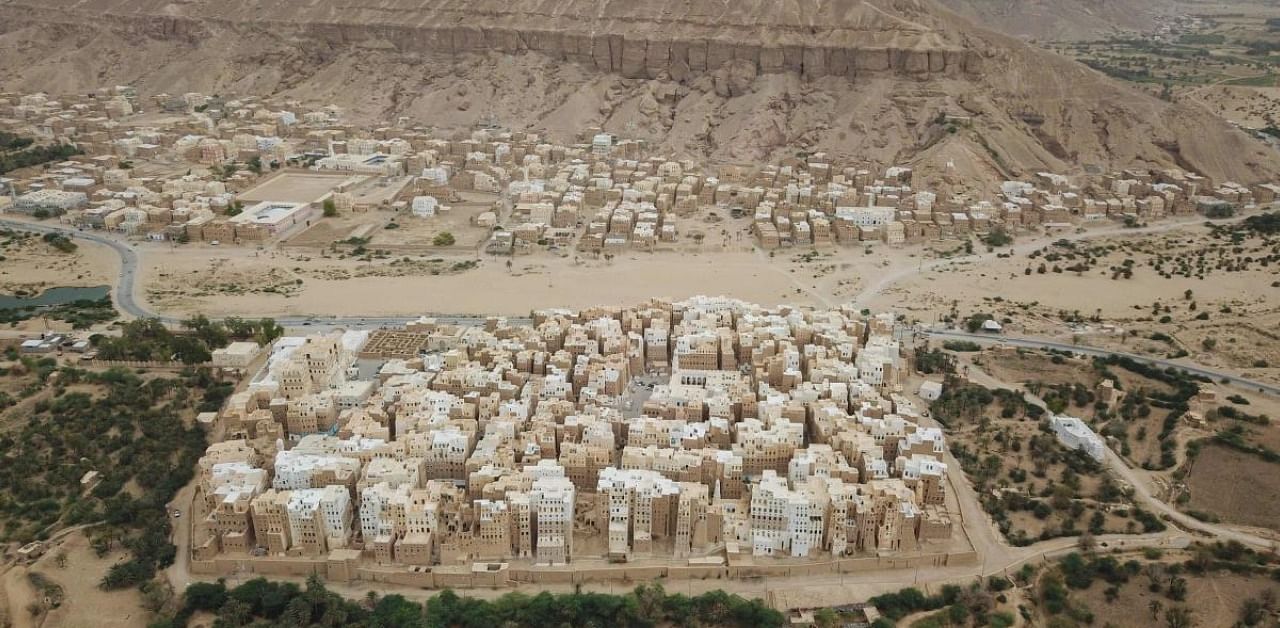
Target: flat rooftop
point(297, 187)
point(380, 189)
point(268, 213)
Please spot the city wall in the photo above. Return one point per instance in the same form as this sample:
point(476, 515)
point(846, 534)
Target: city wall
point(350, 570)
point(144, 364)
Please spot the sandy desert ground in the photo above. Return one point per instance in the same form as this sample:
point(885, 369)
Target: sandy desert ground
point(84, 605)
point(181, 282)
point(924, 283)
point(1225, 322)
point(32, 266)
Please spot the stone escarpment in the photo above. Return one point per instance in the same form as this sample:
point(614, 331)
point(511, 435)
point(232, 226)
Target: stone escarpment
point(634, 57)
point(740, 81)
point(868, 40)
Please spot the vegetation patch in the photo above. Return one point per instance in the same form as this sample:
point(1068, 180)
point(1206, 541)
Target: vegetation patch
point(136, 433)
point(81, 313)
point(149, 340)
point(21, 152)
point(262, 602)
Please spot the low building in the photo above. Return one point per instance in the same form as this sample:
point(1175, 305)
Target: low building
point(237, 355)
point(44, 344)
point(930, 390)
point(53, 202)
point(276, 218)
point(1074, 434)
point(376, 163)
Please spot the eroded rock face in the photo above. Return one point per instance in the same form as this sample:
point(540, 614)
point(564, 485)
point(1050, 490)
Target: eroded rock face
point(747, 80)
point(635, 39)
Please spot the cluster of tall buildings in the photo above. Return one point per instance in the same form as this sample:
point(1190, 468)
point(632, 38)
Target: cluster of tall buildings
point(596, 194)
point(812, 204)
point(668, 430)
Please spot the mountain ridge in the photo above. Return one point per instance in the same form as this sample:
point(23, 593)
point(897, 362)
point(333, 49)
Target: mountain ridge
point(703, 91)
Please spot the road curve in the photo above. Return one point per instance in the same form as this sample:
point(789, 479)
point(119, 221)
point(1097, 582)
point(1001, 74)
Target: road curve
point(128, 262)
point(127, 301)
point(1039, 343)
point(1143, 495)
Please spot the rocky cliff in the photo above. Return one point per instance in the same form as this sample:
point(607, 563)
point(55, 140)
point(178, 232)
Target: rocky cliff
point(633, 39)
point(739, 81)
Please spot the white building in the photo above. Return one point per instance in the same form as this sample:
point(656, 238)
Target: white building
point(394, 472)
point(424, 206)
point(236, 355)
point(234, 481)
point(553, 497)
point(1074, 434)
point(376, 518)
point(630, 495)
point(276, 218)
point(784, 521)
point(55, 202)
point(602, 144)
point(881, 355)
point(867, 216)
point(296, 470)
point(376, 164)
point(930, 390)
point(930, 438)
point(325, 512)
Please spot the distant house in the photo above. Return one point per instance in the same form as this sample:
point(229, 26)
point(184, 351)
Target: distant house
point(31, 551)
point(930, 390)
point(237, 355)
point(46, 344)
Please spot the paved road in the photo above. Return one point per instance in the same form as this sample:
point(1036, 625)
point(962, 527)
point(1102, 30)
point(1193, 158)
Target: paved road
point(128, 262)
point(1040, 343)
point(127, 301)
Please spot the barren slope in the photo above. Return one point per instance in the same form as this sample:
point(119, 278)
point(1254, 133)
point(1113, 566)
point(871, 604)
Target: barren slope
point(1062, 20)
point(731, 81)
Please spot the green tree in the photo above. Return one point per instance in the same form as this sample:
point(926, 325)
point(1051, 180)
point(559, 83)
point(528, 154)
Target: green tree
point(205, 596)
point(268, 331)
point(1178, 617)
point(999, 236)
point(235, 613)
point(444, 238)
point(330, 208)
point(826, 618)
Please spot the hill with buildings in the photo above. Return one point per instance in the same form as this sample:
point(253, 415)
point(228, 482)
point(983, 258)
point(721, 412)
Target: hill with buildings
point(886, 81)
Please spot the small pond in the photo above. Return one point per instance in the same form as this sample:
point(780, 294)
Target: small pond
point(55, 296)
